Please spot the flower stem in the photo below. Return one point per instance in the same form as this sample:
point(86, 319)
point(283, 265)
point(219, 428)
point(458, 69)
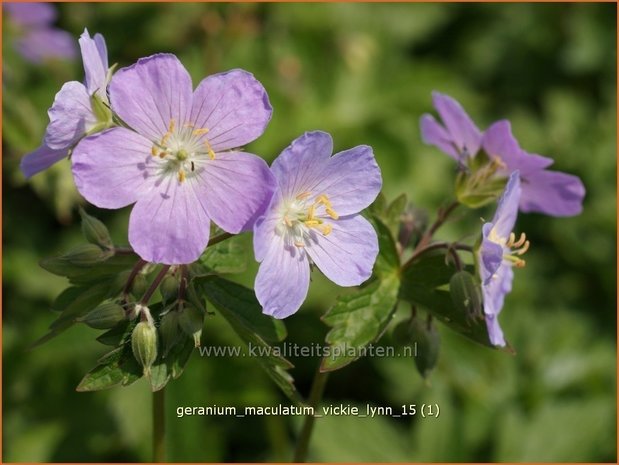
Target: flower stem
point(318, 388)
point(155, 284)
point(451, 248)
point(442, 216)
point(134, 272)
point(219, 238)
point(159, 426)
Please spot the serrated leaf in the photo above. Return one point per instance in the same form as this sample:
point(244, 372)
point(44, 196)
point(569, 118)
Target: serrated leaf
point(228, 256)
point(394, 212)
point(358, 319)
point(118, 367)
point(238, 305)
point(430, 270)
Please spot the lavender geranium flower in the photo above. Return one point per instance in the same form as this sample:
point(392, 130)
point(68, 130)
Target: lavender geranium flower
point(458, 136)
point(498, 254)
point(78, 109)
point(37, 40)
point(177, 164)
point(543, 191)
point(314, 217)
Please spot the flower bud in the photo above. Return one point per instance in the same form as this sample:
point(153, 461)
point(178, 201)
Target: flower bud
point(466, 294)
point(139, 285)
point(86, 254)
point(104, 316)
point(144, 344)
point(427, 341)
point(191, 321)
point(413, 222)
point(170, 331)
point(169, 288)
point(95, 231)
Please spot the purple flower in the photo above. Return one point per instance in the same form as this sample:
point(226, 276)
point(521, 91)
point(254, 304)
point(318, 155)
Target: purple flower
point(37, 40)
point(314, 217)
point(73, 113)
point(499, 252)
point(458, 136)
point(543, 191)
point(176, 163)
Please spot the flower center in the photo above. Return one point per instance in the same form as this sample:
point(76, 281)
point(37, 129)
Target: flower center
point(300, 216)
point(183, 150)
point(513, 249)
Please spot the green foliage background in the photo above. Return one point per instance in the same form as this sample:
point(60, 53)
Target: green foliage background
point(363, 72)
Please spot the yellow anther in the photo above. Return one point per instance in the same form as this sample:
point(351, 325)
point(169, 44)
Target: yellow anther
point(498, 163)
point(154, 151)
point(326, 229)
point(165, 138)
point(200, 132)
point(312, 223)
point(303, 195)
point(520, 263)
point(181, 175)
point(299, 244)
point(324, 200)
point(287, 221)
point(521, 240)
point(211, 154)
point(523, 249)
point(172, 125)
point(311, 212)
point(189, 125)
point(332, 213)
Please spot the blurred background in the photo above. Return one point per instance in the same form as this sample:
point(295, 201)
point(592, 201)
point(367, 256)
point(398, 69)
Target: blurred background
point(364, 73)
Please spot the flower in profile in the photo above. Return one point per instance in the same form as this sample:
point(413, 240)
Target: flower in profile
point(177, 163)
point(499, 252)
point(78, 109)
point(543, 191)
point(314, 218)
point(458, 136)
point(37, 40)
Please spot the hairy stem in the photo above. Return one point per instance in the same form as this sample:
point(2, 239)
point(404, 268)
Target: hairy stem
point(159, 426)
point(442, 216)
point(154, 285)
point(134, 272)
point(318, 388)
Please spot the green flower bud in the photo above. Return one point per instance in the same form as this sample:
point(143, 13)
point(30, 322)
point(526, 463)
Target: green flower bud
point(466, 294)
point(427, 340)
point(104, 316)
point(144, 344)
point(191, 321)
point(86, 254)
point(95, 231)
point(139, 285)
point(169, 288)
point(120, 281)
point(170, 331)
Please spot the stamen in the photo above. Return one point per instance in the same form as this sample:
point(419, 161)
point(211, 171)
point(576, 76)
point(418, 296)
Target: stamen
point(303, 195)
point(200, 132)
point(211, 153)
point(165, 138)
point(189, 125)
point(512, 239)
point(154, 151)
point(325, 229)
point(181, 175)
point(312, 223)
point(324, 200)
point(287, 221)
point(172, 125)
point(299, 244)
point(332, 213)
point(523, 249)
point(310, 212)
point(521, 240)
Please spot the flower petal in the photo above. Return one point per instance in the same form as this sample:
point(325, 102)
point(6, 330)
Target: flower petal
point(282, 281)
point(233, 106)
point(170, 225)
point(41, 159)
point(351, 180)
point(151, 93)
point(264, 227)
point(302, 164)
point(70, 116)
point(507, 209)
point(30, 13)
point(494, 296)
point(39, 45)
point(95, 63)
point(552, 193)
point(433, 133)
point(236, 187)
point(112, 168)
point(463, 131)
point(491, 255)
point(499, 142)
point(346, 256)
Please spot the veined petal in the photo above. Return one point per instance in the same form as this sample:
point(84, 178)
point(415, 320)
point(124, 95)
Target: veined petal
point(346, 256)
point(498, 141)
point(171, 225)
point(552, 193)
point(233, 106)
point(70, 116)
point(265, 226)
point(351, 180)
point(282, 280)
point(151, 93)
point(494, 296)
point(95, 63)
point(301, 166)
point(465, 134)
point(491, 255)
point(41, 159)
point(433, 133)
point(236, 188)
point(507, 209)
point(112, 168)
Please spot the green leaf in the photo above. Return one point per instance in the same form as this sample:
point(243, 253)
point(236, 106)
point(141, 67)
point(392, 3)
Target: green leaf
point(228, 256)
point(388, 260)
point(85, 274)
point(238, 305)
point(118, 367)
point(394, 212)
point(114, 336)
point(172, 365)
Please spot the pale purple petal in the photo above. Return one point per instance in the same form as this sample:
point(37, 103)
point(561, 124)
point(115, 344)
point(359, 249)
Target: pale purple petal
point(171, 225)
point(233, 106)
point(283, 280)
point(494, 295)
point(112, 169)
point(465, 135)
point(235, 187)
point(70, 116)
point(302, 165)
point(351, 180)
point(151, 93)
point(46, 43)
point(265, 226)
point(499, 142)
point(102, 49)
point(433, 133)
point(41, 159)
point(491, 255)
point(507, 209)
point(346, 256)
point(552, 193)
point(30, 14)
point(95, 65)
